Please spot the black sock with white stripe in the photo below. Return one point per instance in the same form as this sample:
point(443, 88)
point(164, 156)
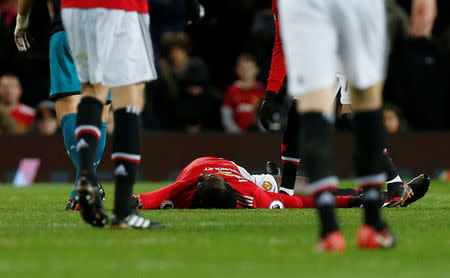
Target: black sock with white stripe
point(290, 151)
point(325, 204)
point(369, 162)
point(288, 175)
point(369, 137)
point(372, 202)
point(88, 132)
point(126, 156)
point(316, 146)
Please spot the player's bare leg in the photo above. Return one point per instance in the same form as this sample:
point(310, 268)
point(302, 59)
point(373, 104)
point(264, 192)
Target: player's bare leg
point(128, 102)
point(369, 165)
point(316, 147)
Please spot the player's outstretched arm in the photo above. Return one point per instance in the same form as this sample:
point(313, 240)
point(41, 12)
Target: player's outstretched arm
point(22, 24)
point(423, 14)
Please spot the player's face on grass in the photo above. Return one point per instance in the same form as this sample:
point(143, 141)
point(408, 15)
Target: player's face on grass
point(214, 192)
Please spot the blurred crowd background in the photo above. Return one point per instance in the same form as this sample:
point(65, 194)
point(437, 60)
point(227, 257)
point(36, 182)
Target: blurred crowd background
point(212, 76)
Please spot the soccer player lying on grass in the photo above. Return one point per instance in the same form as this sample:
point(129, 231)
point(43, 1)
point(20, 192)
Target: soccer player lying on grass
point(210, 182)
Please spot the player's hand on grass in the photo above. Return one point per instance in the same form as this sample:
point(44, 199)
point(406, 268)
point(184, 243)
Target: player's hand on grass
point(20, 33)
point(194, 11)
point(423, 14)
point(269, 114)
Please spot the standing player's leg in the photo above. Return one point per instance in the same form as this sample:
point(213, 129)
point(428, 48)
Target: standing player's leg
point(290, 155)
point(68, 125)
point(88, 133)
point(124, 66)
point(310, 45)
point(397, 190)
point(65, 91)
point(126, 145)
point(363, 48)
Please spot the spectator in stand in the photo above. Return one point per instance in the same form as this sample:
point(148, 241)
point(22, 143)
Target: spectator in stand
point(46, 122)
point(198, 108)
point(8, 12)
point(394, 121)
point(174, 62)
point(10, 93)
point(239, 110)
point(173, 68)
point(7, 124)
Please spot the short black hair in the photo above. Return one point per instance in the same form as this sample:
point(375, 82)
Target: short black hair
point(214, 192)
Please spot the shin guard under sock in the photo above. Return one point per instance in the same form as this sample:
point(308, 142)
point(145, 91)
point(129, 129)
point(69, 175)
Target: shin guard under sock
point(316, 147)
point(372, 202)
point(325, 204)
point(88, 133)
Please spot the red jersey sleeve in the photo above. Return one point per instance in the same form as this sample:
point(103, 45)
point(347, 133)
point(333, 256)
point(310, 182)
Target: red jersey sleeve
point(228, 100)
point(306, 202)
point(277, 71)
point(179, 195)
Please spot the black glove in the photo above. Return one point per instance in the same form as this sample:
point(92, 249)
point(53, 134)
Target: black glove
point(194, 11)
point(269, 112)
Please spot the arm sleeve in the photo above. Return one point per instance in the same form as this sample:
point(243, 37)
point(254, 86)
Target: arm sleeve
point(180, 194)
point(277, 71)
point(228, 120)
point(308, 202)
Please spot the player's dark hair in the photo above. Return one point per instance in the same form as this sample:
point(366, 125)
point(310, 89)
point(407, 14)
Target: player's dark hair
point(214, 192)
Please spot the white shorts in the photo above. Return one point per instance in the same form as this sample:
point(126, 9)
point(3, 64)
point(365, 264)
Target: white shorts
point(316, 33)
point(111, 47)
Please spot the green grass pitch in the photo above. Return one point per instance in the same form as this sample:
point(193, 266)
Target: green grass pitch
point(38, 238)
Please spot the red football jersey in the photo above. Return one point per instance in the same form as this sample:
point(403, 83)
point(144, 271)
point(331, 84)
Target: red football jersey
point(180, 194)
point(23, 115)
point(277, 72)
point(244, 103)
point(140, 6)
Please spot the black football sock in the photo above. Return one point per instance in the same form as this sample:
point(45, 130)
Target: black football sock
point(370, 168)
point(88, 133)
point(372, 202)
point(290, 154)
point(325, 204)
point(394, 181)
point(315, 137)
point(369, 145)
point(316, 147)
point(288, 176)
point(126, 157)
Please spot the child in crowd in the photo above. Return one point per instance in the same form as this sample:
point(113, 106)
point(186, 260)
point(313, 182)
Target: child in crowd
point(239, 110)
